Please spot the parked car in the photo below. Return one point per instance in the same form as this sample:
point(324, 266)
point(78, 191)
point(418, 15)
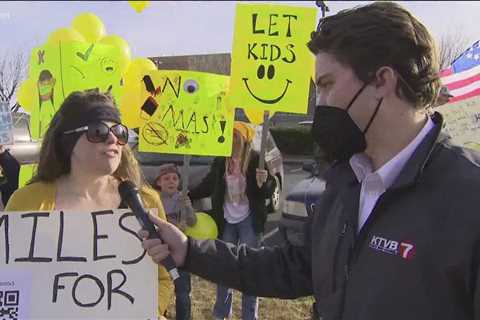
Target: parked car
point(300, 202)
point(26, 151)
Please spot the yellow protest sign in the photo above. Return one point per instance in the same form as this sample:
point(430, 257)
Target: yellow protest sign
point(462, 121)
point(89, 26)
point(271, 63)
point(27, 171)
point(57, 70)
point(184, 112)
point(75, 58)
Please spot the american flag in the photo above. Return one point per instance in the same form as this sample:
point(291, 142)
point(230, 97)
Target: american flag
point(462, 78)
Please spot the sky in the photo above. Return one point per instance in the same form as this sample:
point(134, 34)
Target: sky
point(191, 27)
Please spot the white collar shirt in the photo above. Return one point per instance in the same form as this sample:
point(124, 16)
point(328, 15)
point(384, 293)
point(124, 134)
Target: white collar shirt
point(375, 183)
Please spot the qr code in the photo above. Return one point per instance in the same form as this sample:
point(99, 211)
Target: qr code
point(9, 305)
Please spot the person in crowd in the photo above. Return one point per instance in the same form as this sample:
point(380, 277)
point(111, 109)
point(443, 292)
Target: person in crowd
point(179, 211)
point(83, 158)
point(238, 189)
point(10, 170)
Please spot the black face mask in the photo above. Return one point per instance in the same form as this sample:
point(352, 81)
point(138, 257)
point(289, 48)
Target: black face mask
point(337, 134)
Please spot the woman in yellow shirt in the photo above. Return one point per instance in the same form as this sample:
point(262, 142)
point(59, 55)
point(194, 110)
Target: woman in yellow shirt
point(83, 159)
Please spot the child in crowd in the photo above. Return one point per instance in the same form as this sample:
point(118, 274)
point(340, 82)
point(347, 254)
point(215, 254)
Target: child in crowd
point(179, 212)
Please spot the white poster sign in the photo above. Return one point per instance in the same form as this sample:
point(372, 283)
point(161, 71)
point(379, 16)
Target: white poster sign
point(75, 265)
point(462, 121)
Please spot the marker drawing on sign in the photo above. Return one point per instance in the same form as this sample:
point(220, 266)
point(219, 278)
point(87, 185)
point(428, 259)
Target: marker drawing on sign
point(148, 108)
point(155, 133)
point(221, 139)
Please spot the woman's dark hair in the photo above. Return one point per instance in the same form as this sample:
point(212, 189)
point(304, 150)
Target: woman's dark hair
point(56, 149)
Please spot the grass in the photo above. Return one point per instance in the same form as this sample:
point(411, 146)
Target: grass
point(203, 299)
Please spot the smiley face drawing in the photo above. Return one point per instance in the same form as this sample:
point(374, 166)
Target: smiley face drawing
point(270, 75)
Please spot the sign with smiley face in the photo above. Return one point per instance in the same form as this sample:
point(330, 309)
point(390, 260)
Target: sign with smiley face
point(271, 64)
point(91, 65)
point(60, 69)
point(185, 112)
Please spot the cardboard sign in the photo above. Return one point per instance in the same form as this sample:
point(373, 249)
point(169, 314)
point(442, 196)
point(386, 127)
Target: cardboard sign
point(27, 171)
point(462, 121)
point(6, 124)
point(82, 265)
point(58, 70)
point(185, 112)
point(271, 64)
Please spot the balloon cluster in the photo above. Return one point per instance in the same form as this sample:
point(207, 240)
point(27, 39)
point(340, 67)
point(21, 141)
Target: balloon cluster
point(138, 6)
point(88, 28)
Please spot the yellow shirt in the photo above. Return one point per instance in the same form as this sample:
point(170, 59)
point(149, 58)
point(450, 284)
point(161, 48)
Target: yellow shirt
point(41, 196)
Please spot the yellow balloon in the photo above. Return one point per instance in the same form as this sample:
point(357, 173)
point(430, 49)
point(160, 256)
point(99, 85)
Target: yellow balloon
point(26, 94)
point(130, 106)
point(65, 35)
point(137, 69)
point(205, 228)
point(120, 43)
point(138, 5)
point(144, 64)
point(90, 26)
point(133, 97)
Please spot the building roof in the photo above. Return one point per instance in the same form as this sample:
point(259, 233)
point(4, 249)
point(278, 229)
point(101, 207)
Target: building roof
point(214, 63)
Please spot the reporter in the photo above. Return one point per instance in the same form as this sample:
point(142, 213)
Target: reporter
point(396, 233)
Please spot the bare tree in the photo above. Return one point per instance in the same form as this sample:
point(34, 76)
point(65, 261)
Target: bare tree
point(451, 46)
point(12, 71)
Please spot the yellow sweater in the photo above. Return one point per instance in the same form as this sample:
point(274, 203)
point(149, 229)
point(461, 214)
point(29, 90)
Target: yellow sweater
point(41, 196)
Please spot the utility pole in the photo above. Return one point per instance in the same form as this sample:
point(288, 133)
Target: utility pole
point(323, 7)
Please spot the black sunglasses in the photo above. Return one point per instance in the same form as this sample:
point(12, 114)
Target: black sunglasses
point(99, 131)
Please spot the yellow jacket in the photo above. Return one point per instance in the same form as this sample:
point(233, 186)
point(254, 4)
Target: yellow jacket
point(41, 196)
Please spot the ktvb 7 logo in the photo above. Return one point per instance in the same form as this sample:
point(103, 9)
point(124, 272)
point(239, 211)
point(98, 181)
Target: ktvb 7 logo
point(404, 249)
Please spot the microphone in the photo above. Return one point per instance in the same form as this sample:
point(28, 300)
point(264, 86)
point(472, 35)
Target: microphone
point(129, 193)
